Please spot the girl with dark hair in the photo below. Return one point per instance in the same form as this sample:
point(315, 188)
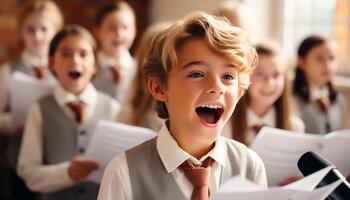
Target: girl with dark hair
point(321, 107)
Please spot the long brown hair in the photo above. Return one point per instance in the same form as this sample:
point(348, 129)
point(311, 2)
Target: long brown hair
point(300, 83)
point(140, 99)
point(239, 119)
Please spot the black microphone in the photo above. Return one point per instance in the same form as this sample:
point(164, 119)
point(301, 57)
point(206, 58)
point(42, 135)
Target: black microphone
point(311, 162)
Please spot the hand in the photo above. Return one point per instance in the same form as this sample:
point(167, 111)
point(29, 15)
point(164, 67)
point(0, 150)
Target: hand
point(288, 180)
point(81, 167)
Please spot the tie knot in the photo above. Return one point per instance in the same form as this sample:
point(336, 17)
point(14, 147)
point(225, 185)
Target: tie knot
point(324, 104)
point(257, 128)
point(116, 72)
point(40, 72)
point(77, 108)
point(199, 177)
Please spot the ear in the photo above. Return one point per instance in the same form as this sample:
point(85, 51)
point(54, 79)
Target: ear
point(51, 64)
point(300, 62)
point(96, 32)
point(157, 89)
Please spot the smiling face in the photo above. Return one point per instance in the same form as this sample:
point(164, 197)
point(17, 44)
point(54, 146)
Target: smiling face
point(320, 64)
point(116, 32)
point(267, 83)
point(74, 63)
point(37, 32)
point(201, 93)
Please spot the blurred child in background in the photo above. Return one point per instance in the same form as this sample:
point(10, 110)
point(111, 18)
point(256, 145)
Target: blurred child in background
point(38, 23)
point(59, 126)
point(320, 106)
point(115, 30)
point(140, 110)
point(267, 101)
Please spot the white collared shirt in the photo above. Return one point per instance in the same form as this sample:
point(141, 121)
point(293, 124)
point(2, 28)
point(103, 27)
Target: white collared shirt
point(128, 70)
point(317, 93)
point(269, 119)
point(116, 181)
point(53, 177)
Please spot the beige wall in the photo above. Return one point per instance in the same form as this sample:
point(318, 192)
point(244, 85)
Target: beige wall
point(268, 13)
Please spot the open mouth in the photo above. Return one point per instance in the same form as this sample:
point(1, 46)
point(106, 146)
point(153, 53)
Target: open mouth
point(210, 114)
point(117, 43)
point(74, 74)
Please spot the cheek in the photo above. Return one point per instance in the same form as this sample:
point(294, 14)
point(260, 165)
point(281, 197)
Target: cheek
point(280, 86)
point(253, 89)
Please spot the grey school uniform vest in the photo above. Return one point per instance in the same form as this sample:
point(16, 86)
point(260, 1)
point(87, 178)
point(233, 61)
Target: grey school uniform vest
point(18, 65)
point(103, 81)
point(316, 121)
point(63, 139)
point(150, 180)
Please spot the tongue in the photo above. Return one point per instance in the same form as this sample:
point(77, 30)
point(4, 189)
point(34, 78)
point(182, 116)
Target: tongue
point(208, 117)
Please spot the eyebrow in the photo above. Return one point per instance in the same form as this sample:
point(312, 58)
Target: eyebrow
point(203, 63)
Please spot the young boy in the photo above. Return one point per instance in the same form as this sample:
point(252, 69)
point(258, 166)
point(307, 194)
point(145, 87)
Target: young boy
point(197, 70)
point(59, 126)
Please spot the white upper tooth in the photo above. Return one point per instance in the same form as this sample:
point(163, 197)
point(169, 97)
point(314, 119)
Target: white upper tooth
point(213, 106)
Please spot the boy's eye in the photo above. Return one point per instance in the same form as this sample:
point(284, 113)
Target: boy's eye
point(195, 75)
point(228, 77)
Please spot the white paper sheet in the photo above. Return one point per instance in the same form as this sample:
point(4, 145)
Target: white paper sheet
point(335, 147)
point(110, 139)
point(239, 188)
point(24, 91)
point(281, 149)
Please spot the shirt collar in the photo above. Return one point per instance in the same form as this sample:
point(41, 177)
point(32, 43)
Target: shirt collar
point(269, 119)
point(316, 93)
point(88, 96)
point(105, 60)
point(29, 60)
point(173, 156)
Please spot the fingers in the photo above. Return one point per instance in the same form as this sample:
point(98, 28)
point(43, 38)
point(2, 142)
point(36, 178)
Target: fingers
point(81, 167)
point(289, 180)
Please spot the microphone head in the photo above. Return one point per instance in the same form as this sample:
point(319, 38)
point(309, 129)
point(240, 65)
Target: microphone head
point(311, 162)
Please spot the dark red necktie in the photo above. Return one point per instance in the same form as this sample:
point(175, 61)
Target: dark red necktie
point(40, 72)
point(199, 177)
point(116, 71)
point(257, 128)
point(78, 109)
point(324, 104)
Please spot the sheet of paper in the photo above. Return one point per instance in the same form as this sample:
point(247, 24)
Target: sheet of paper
point(239, 188)
point(310, 182)
point(280, 151)
point(24, 91)
point(335, 148)
point(110, 139)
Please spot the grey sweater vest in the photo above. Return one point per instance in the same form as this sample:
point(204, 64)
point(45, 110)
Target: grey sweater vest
point(104, 83)
point(150, 180)
point(63, 139)
point(315, 121)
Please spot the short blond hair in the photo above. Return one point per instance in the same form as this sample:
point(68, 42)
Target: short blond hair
point(43, 6)
point(227, 40)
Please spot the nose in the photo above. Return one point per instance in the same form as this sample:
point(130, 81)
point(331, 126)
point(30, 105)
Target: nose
point(215, 86)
